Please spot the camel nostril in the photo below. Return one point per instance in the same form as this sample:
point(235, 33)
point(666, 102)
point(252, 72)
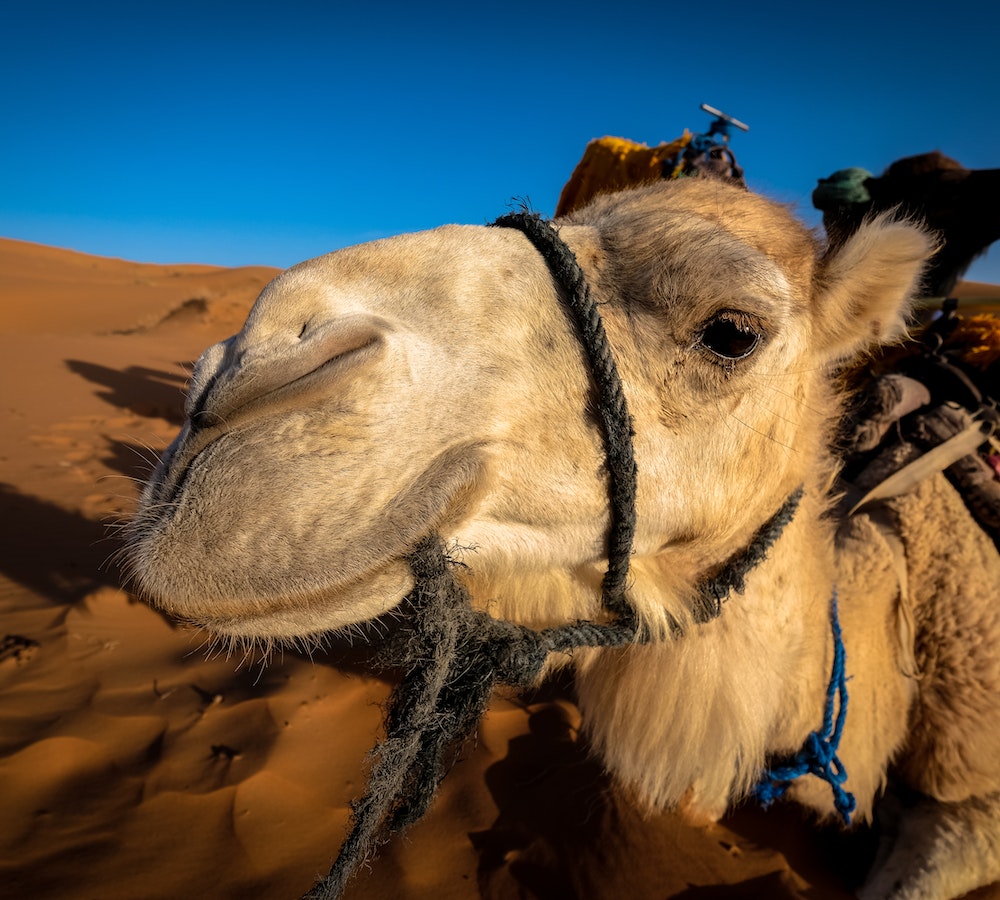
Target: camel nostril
point(256, 369)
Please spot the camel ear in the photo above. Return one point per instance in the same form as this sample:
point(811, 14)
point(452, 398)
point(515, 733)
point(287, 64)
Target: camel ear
point(865, 285)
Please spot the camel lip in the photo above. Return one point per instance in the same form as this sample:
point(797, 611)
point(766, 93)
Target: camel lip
point(275, 621)
point(266, 625)
point(311, 613)
point(168, 480)
point(254, 626)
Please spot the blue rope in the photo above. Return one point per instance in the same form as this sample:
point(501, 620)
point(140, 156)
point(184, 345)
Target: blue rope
point(818, 755)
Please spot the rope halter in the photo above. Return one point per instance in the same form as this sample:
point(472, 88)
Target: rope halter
point(453, 655)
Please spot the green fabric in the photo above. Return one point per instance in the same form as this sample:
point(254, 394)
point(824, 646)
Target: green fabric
point(843, 188)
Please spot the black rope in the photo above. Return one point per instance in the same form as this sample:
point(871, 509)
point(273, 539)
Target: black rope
point(713, 591)
point(453, 655)
point(423, 717)
point(615, 418)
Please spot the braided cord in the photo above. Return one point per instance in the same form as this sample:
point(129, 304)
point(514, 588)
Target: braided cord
point(732, 576)
point(818, 755)
point(615, 418)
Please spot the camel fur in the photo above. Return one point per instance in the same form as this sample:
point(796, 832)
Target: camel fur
point(433, 382)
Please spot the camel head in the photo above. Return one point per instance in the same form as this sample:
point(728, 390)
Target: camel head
point(958, 204)
point(433, 382)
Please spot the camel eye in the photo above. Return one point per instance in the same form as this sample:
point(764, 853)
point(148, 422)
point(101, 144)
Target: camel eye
point(729, 338)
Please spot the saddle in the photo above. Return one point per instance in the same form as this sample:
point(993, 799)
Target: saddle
point(612, 164)
point(925, 407)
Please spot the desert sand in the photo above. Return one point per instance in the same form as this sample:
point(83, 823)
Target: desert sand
point(136, 763)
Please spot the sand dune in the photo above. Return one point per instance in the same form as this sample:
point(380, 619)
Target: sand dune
point(135, 764)
point(972, 292)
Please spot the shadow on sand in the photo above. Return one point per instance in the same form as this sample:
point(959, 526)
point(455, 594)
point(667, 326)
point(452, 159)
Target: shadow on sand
point(58, 554)
point(564, 833)
point(146, 392)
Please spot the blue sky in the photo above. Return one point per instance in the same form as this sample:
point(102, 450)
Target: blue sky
point(266, 133)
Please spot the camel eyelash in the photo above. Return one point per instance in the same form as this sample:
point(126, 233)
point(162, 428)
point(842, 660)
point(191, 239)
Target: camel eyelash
point(730, 336)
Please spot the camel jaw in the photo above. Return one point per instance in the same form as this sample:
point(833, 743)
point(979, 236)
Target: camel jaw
point(301, 617)
point(188, 556)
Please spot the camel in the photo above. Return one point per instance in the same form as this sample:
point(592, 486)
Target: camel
point(432, 383)
point(958, 203)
